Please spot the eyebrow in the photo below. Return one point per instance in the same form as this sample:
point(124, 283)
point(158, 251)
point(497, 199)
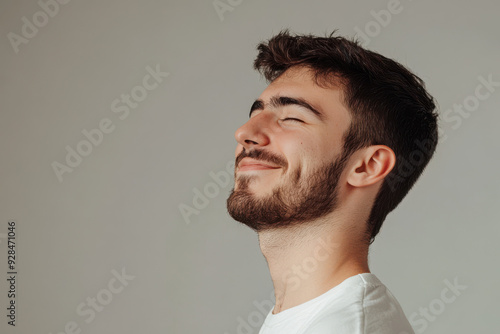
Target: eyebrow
point(281, 101)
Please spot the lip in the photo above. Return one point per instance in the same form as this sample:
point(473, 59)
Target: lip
point(250, 164)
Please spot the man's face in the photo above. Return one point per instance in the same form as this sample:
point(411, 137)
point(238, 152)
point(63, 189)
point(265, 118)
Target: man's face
point(288, 157)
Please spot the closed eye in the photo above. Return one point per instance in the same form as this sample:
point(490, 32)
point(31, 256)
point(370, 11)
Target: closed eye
point(293, 119)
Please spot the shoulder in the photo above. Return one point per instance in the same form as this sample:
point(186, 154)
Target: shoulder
point(364, 306)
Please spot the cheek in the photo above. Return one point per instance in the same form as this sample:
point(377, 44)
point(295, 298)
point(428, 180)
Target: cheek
point(309, 148)
point(301, 154)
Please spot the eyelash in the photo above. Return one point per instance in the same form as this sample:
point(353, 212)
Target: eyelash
point(293, 119)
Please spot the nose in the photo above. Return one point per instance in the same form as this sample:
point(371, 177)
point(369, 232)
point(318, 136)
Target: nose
point(255, 132)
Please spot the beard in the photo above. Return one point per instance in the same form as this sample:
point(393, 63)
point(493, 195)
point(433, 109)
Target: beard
point(300, 198)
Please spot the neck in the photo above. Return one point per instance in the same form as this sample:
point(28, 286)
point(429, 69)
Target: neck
point(309, 259)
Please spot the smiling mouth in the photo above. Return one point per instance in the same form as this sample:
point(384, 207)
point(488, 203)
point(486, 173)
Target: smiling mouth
point(255, 167)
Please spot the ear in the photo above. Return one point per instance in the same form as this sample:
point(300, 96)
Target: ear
point(371, 165)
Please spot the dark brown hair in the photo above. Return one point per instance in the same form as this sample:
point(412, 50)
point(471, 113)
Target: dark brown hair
point(389, 105)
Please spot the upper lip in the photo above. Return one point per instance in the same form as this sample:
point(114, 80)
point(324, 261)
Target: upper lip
point(250, 162)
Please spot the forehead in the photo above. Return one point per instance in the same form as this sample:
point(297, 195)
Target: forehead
point(298, 82)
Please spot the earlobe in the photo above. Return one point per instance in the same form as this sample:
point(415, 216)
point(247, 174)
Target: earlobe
point(373, 164)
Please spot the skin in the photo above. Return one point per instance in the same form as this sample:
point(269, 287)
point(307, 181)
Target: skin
point(310, 254)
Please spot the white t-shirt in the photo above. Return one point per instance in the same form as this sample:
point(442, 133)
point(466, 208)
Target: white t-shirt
point(361, 304)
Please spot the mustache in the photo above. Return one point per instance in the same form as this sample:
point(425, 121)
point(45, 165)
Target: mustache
point(261, 155)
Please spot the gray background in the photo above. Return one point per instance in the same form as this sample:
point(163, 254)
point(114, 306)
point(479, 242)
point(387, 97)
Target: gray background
point(120, 207)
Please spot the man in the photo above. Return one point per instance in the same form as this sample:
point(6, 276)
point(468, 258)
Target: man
point(332, 145)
